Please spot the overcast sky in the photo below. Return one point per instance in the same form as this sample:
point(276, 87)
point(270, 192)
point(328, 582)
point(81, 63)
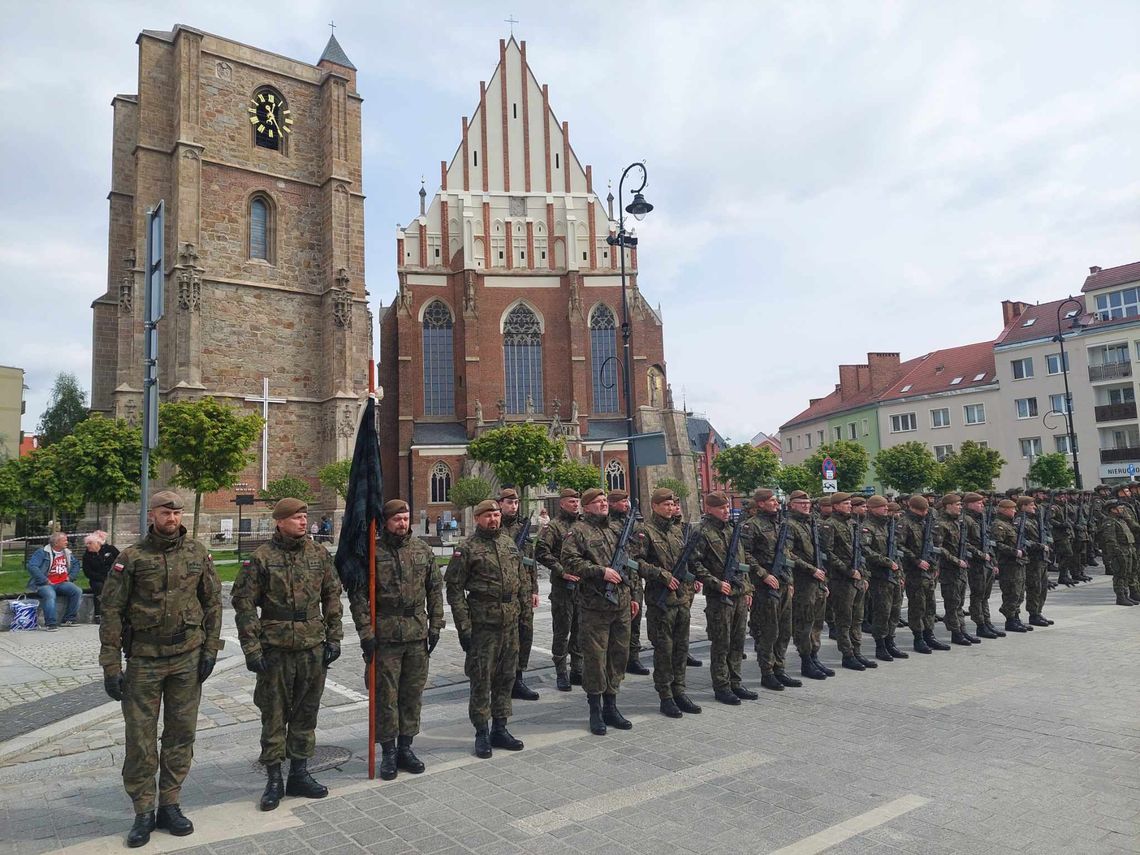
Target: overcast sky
point(829, 178)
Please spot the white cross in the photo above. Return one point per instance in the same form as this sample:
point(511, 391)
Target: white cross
point(265, 401)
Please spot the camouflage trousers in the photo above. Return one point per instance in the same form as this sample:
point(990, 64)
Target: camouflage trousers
point(289, 697)
point(526, 635)
point(952, 581)
point(635, 623)
point(564, 623)
point(981, 580)
point(1119, 564)
point(1066, 558)
point(919, 603)
point(808, 606)
point(490, 666)
point(847, 597)
point(886, 596)
point(727, 627)
point(668, 631)
point(770, 625)
point(1036, 586)
point(604, 636)
point(403, 667)
point(1011, 579)
point(170, 683)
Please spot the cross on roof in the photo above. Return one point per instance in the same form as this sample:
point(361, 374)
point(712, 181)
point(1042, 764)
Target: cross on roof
point(332, 27)
point(512, 20)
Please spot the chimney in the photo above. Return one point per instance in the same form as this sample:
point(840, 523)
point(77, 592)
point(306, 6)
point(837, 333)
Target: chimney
point(1011, 310)
point(813, 401)
point(848, 381)
point(883, 368)
point(1094, 270)
point(863, 377)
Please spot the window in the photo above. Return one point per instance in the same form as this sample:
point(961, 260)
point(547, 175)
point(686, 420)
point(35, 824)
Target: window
point(1063, 444)
point(1058, 404)
point(819, 437)
point(1053, 363)
point(940, 452)
point(260, 217)
point(1022, 368)
point(1029, 322)
point(837, 432)
point(440, 482)
point(956, 381)
point(940, 418)
point(807, 440)
point(866, 428)
point(978, 377)
point(903, 422)
point(975, 414)
point(1118, 304)
point(1122, 395)
point(603, 353)
point(615, 475)
point(906, 388)
point(522, 359)
point(1026, 408)
point(1031, 446)
point(269, 118)
point(439, 360)
point(852, 431)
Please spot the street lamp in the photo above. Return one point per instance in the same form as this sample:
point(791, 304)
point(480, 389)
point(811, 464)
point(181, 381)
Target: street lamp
point(1077, 324)
point(621, 239)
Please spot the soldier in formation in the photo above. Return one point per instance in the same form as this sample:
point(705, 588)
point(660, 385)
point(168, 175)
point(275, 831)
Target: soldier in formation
point(766, 541)
point(563, 591)
point(514, 527)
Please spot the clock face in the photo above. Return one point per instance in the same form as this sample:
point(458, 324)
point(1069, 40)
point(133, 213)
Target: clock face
point(269, 116)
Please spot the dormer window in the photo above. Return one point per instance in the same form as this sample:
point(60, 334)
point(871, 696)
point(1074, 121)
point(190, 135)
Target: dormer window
point(1118, 304)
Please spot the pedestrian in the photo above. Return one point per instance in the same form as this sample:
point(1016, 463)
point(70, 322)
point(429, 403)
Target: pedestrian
point(53, 570)
point(770, 621)
point(563, 591)
point(288, 614)
point(486, 588)
point(98, 558)
point(162, 610)
point(513, 526)
point(409, 619)
point(620, 509)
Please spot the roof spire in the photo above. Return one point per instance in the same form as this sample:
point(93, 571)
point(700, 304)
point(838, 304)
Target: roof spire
point(512, 20)
point(334, 53)
point(423, 196)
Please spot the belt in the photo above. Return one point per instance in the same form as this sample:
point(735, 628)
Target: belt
point(154, 638)
point(274, 613)
point(491, 598)
point(396, 611)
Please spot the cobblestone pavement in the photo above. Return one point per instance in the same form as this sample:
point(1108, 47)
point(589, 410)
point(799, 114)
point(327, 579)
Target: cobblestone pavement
point(1028, 743)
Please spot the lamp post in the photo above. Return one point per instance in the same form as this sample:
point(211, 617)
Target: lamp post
point(621, 239)
point(1060, 339)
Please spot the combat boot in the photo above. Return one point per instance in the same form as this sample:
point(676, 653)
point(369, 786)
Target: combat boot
point(832, 632)
point(1134, 593)
point(634, 665)
point(973, 639)
point(892, 648)
point(482, 743)
point(1037, 620)
point(726, 696)
point(170, 818)
point(997, 632)
point(1065, 580)
point(867, 629)
point(139, 835)
point(808, 669)
point(388, 764)
point(685, 704)
point(851, 663)
point(612, 716)
point(881, 652)
point(769, 681)
point(1123, 600)
point(958, 637)
point(692, 662)
point(406, 759)
point(864, 661)
point(985, 632)
point(1015, 625)
point(575, 675)
point(790, 682)
point(274, 787)
point(669, 708)
point(597, 725)
point(920, 644)
point(827, 672)
point(502, 738)
point(932, 641)
point(301, 783)
point(521, 691)
point(745, 694)
point(562, 679)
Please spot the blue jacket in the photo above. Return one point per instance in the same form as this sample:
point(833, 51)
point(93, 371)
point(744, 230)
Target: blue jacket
point(40, 563)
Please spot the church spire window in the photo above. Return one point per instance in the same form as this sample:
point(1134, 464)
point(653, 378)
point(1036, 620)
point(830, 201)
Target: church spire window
point(603, 356)
point(439, 360)
point(260, 228)
point(522, 359)
point(440, 482)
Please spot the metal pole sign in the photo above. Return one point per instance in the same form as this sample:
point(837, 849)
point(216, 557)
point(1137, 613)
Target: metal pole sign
point(153, 309)
point(830, 475)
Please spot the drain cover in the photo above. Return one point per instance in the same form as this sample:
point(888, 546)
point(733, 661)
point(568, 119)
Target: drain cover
point(325, 757)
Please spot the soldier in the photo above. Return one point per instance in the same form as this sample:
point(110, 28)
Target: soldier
point(823, 515)
point(952, 566)
point(726, 604)
point(885, 581)
point(290, 646)
point(1130, 568)
point(1063, 538)
point(1117, 544)
point(846, 583)
point(691, 661)
point(918, 546)
point(770, 621)
point(1036, 576)
point(409, 619)
point(668, 600)
point(809, 580)
point(563, 591)
point(620, 509)
point(162, 609)
point(1012, 558)
point(512, 525)
point(980, 572)
point(486, 588)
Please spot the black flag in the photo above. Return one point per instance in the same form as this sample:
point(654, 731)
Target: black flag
point(363, 504)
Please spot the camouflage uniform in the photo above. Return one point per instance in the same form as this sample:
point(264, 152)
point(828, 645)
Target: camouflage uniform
point(885, 584)
point(667, 620)
point(770, 621)
point(409, 606)
point(563, 600)
point(727, 621)
point(603, 625)
point(165, 592)
point(919, 582)
point(512, 526)
point(486, 586)
point(1011, 575)
point(637, 590)
point(1063, 541)
point(847, 592)
point(1128, 559)
point(1036, 580)
point(810, 597)
point(980, 574)
point(1117, 544)
point(951, 576)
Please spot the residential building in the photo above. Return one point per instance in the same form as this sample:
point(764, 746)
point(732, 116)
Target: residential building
point(763, 440)
point(706, 443)
point(12, 407)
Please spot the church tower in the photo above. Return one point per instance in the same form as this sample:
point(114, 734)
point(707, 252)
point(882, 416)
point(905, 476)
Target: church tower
point(258, 159)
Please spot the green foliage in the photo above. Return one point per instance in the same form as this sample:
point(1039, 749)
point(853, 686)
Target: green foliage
point(907, 467)
point(579, 476)
point(288, 487)
point(1052, 471)
point(746, 467)
point(104, 457)
point(208, 443)
point(680, 489)
point(66, 408)
point(45, 480)
point(792, 478)
point(851, 459)
point(972, 467)
point(520, 454)
point(335, 476)
point(942, 482)
point(11, 493)
point(468, 492)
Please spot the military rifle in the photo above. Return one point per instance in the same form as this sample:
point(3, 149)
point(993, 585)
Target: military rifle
point(892, 542)
point(1045, 531)
point(731, 562)
point(927, 553)
point(780, 560)
point(1020, 545)
point(963, 541)
point(817, 548)
point(984, 540)
point(857, 551)
point(680, 569)
point(622, 561)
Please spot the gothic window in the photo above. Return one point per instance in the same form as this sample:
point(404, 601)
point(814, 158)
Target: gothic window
point(260, 229)
point(522, 358)
point(439, 360)
point(440, 482)
point(603, 355)
point(615, 476)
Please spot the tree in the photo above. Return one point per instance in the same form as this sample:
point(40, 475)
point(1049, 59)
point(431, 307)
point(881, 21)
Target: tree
point(520, 454)
point(746, 467)
point(579, 476)
point(680, 488)
point(208, 443)
point(851, 459)
point(973, 467)
point(45, 480)
point(104, 457)
point(907, 467)
point(1052, 471)
point(11, 496)
point(335, 476)
point(468, 492)
point(792, 478)
point(290, 486)
point(66, 408)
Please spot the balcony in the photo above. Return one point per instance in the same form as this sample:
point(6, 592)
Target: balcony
point(1116, 412)
point(1119, 455)
point(1110, 371)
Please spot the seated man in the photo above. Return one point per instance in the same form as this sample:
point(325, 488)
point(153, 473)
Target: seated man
point(53, 570)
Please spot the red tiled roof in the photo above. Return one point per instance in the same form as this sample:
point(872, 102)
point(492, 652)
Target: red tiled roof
point(832, 404)
point(1035, 322)
point(969, 364)
point(1122, 275)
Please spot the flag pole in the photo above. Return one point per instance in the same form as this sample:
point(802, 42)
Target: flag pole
point(373, 666)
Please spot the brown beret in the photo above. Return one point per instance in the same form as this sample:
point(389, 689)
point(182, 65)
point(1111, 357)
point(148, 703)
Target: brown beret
point(166, 499)
point(893, 506)
point(797, 495)
point(877, 502)
point(286, 507)
point(858, 501)
point(568, 493)
point(839, 498)
point(970, 498)
point(1025, 501)
point(395, 506)
point(825, 500)
point(485, 506)
point(918, 503)
point(950, 499)
point(716, 499)
point(591, 495)
point(762, 495)
point(617, 495)
point(747, 504)
point(1005, 504)
point(661, 495)
point(508, 493)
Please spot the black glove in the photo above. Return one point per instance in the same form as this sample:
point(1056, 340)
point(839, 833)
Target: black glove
point(113, 686)
point(465, 641)
point(331, 654)
point(368, 649)
point(256, 664)
point(432, 641)
point(206, 667)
